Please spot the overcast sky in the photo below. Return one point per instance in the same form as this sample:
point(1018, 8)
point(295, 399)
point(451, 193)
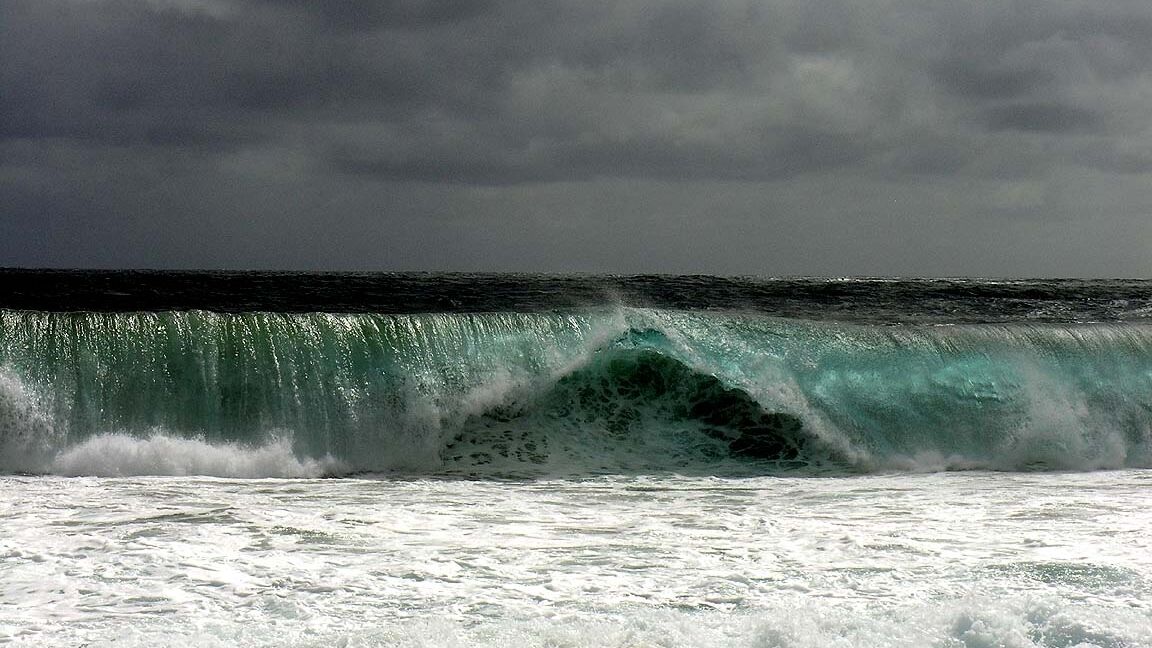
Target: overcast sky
point(773, 137)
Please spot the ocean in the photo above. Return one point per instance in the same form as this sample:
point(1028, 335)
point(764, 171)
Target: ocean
point(353, 459)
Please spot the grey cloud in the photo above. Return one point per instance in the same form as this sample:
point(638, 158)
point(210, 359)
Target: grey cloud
point(1041, 118)
point(126, 72)
point(931, 154)
point(24, 237)
point(121, 70)
point(1115, 157)
point(823, 27)
point(978, 81)
point(773, 156)
point(494, 99)
point(361, 15)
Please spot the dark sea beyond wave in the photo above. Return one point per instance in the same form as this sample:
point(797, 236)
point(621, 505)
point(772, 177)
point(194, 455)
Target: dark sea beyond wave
point(256, 374)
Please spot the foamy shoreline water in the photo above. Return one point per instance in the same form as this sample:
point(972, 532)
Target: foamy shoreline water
point(946, 559)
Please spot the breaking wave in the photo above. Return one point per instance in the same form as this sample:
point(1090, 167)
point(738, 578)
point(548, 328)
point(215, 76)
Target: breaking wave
point(525, 394)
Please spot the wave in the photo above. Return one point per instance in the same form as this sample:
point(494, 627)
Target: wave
point(589, 391)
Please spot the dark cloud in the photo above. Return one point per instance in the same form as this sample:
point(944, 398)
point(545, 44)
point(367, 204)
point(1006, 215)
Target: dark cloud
point(1116, 157)
point(127, 72)
point(373, 14)
point(976, 81)
point(907, 115)
point(1041, 118)
point(24, 232)
point(769, 155)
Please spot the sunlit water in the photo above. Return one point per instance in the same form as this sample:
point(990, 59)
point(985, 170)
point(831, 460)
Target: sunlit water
point(948, 560)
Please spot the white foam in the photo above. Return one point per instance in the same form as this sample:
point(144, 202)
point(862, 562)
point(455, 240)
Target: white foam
point(954, 560)
point(1060, 431)
point(120, 455)
point(27, 435)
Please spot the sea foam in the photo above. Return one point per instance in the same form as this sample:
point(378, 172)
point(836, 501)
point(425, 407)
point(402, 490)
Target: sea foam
point(122, 455)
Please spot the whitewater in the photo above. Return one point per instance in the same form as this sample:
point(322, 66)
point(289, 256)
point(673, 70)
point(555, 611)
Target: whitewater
point(243, 459)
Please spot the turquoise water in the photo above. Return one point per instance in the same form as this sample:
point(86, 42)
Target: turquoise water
point(593, 390)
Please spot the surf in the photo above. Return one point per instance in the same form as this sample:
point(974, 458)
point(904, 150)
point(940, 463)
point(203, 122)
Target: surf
point(578, 391)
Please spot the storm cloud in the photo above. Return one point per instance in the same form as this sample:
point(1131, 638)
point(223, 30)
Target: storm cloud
point(979, 137)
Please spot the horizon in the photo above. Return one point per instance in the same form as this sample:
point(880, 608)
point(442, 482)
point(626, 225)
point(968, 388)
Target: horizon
point(561, 274)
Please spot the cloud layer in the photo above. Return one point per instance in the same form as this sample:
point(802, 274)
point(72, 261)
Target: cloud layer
point(775, 137)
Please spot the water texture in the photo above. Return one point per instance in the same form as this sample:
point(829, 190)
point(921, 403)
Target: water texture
point(272, 460)
point(623, 390)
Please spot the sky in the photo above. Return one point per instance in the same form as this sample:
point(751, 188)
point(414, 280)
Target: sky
point(772, 137)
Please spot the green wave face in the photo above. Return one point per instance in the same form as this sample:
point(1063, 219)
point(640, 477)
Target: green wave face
point(631, 389)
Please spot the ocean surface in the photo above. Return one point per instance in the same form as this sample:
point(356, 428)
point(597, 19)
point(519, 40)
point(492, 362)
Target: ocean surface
point(295, 459)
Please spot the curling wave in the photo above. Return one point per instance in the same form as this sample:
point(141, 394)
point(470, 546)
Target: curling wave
point(623, 390)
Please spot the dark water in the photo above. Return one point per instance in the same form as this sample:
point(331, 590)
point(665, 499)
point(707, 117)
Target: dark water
point(855, 300)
